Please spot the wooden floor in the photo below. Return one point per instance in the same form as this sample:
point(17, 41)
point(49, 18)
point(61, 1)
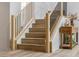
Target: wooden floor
point(60, 53)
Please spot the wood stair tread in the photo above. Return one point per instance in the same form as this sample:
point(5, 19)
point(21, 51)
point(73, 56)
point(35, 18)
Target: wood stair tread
point(33, 38)
point(32, 44)
point(39, 27)
point(37, 32)
point(35, 35)
point(42, 22)
point(37, 20)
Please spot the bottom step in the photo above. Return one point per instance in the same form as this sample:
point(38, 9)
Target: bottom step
point(40, 48)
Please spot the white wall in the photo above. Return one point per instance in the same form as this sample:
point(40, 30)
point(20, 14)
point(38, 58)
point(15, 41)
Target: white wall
point(4, 26)
point(40, 8)
point(76, 24)
point(56, 35)
point(73, 7)
point(14, 7)
point(23, 4)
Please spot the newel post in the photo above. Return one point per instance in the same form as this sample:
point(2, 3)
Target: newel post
point(61, 10)
point(47, 25)
point(13, 32)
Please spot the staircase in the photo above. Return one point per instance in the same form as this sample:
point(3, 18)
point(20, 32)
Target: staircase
point(36, 38)
point(39, 36)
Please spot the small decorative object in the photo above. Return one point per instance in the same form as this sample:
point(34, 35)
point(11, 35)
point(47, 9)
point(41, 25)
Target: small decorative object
point(68, 37)
point(72, 18)
point(67, 23)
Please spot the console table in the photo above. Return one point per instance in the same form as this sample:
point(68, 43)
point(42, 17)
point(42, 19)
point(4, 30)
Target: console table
point(68, 37)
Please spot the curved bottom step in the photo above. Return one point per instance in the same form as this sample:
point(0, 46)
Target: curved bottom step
point(39, 48)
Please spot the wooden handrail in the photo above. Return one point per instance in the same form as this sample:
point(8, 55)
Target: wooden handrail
point(13, 33)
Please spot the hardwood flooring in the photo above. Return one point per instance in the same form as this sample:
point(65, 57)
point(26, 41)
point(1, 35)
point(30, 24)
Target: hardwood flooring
point(59, 53)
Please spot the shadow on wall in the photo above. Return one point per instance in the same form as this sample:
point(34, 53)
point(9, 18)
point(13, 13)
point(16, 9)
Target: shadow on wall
point(4, 26)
